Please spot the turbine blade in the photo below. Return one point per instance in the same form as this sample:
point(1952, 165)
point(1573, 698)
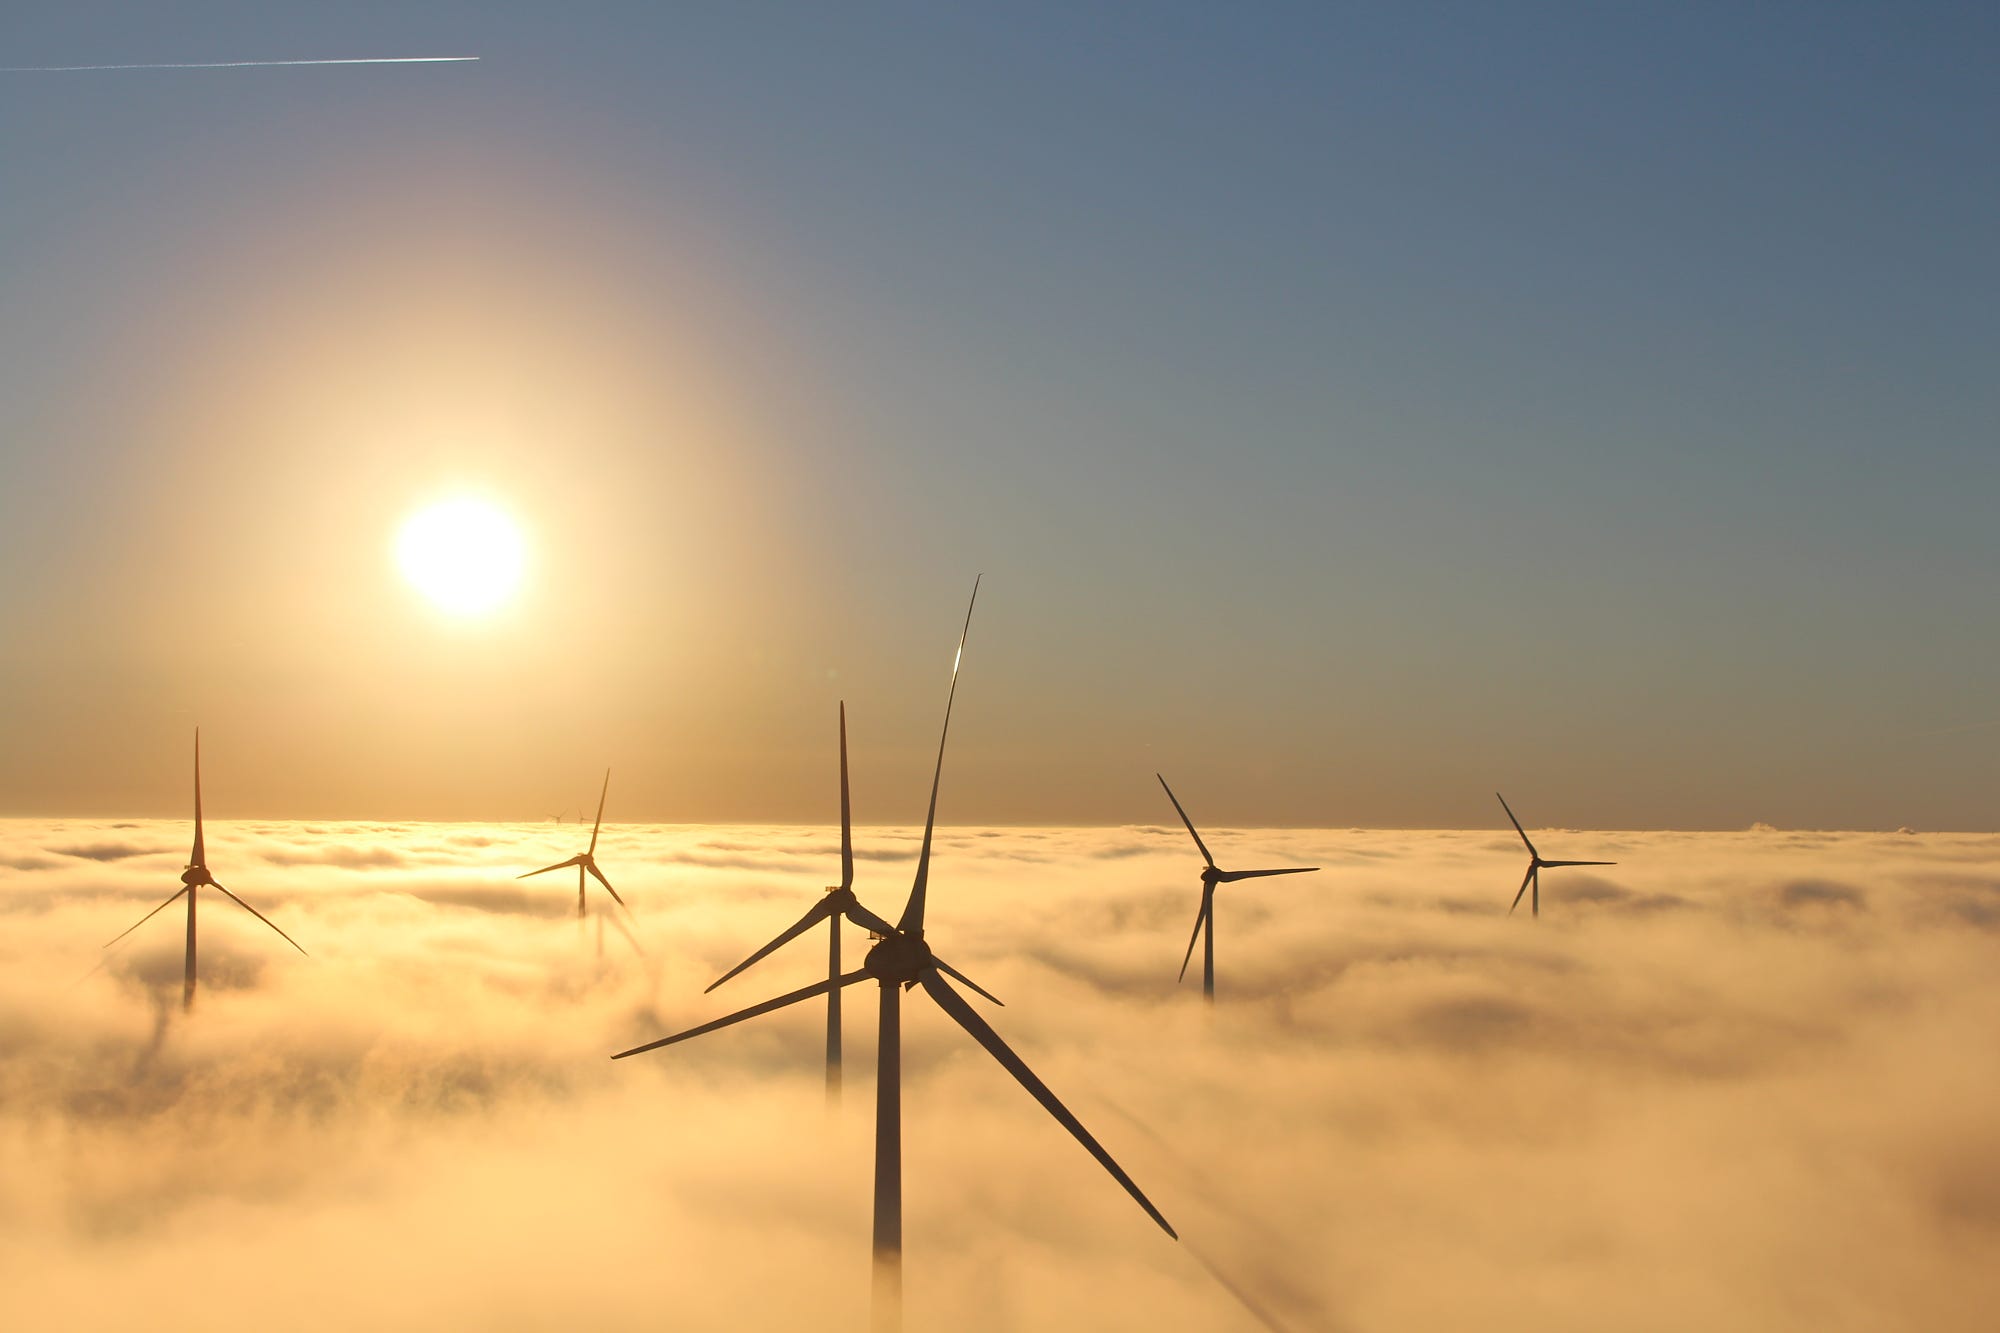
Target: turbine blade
point(1517, 825)
point(600, 814)
point(626, 931)
point(1579, 863)
point(1185, 820)
point(846, 820)
point(1230, 876)
point(196, 857)
point(1200, 918)
point(598, 875)
point(148, 917)
point(265, 919)
point(1523, 889)
point(949, 970)
point(803, 993)
point(866, 919)
point(560, 865)
point(821, 910)
point(912, 920)
point(954, 1004)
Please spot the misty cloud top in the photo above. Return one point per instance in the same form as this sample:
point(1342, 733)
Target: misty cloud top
point(1737, 1081)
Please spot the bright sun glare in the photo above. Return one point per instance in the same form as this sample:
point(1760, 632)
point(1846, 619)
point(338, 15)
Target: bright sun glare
point(463, 554)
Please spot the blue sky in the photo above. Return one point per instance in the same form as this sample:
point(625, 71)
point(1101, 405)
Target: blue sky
point(1353, 410)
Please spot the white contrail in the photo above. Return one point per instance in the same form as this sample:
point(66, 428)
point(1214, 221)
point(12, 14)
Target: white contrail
point(243, 64)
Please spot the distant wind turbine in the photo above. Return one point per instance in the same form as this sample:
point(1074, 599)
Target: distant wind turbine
point(839, 902)
point(900, 960)
point(1204, 918)
point(192, 878)
point(586, 863)
point(1535, 864)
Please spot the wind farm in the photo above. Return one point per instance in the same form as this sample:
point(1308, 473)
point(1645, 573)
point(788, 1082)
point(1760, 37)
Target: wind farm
point(1722, 968)
point(1356, 410)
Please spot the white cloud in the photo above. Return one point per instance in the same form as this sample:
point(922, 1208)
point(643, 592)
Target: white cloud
point(1733, 1082)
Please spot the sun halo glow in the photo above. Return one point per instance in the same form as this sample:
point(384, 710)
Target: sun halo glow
point(465, 555)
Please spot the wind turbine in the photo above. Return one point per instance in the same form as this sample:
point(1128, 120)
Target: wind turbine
point(192, 878)
point(586, 861)
point(902, 959)
point(839, 902)
point(1204, 919)
point(1535, 864)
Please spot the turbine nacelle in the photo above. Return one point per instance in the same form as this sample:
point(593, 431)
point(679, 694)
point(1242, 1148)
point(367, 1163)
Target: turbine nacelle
point(196, 875)
point(898, 959)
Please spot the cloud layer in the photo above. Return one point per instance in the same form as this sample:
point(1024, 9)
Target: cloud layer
point(1737, 1081)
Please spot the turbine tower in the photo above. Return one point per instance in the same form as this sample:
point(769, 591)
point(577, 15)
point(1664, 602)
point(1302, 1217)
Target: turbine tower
point(586, 864)
point(1535, 864)
point(1204, 917)
point(839, 902)
point(193, 878)
point(902, 959)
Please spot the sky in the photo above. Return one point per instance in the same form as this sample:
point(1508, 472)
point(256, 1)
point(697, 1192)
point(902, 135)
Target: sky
point(1724, 1084)
point(1352, 410)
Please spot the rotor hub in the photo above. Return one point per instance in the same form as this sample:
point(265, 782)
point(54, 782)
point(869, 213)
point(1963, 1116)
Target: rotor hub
point(196, 875)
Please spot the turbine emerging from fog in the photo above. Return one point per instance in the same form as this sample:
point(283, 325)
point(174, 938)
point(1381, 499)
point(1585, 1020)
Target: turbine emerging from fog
point(586, 864)
point(902, 959)
point(1204, 917)
point(1535, 864)
point(192, 879)
point(839, 902)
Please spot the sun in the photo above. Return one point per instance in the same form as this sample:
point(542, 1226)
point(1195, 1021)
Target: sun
point(463, 554)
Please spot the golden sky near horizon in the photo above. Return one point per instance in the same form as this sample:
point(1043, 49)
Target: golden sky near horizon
point(1352, 413)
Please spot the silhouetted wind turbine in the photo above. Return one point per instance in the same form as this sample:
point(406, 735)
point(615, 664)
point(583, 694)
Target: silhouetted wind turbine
point(900, 960)
point(1535, 864)
point(1204, 918)
point(839, 902)
point(586, 861)
point(192, 878)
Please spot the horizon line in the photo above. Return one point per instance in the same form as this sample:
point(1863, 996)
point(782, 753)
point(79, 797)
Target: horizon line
point(1761, 826)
